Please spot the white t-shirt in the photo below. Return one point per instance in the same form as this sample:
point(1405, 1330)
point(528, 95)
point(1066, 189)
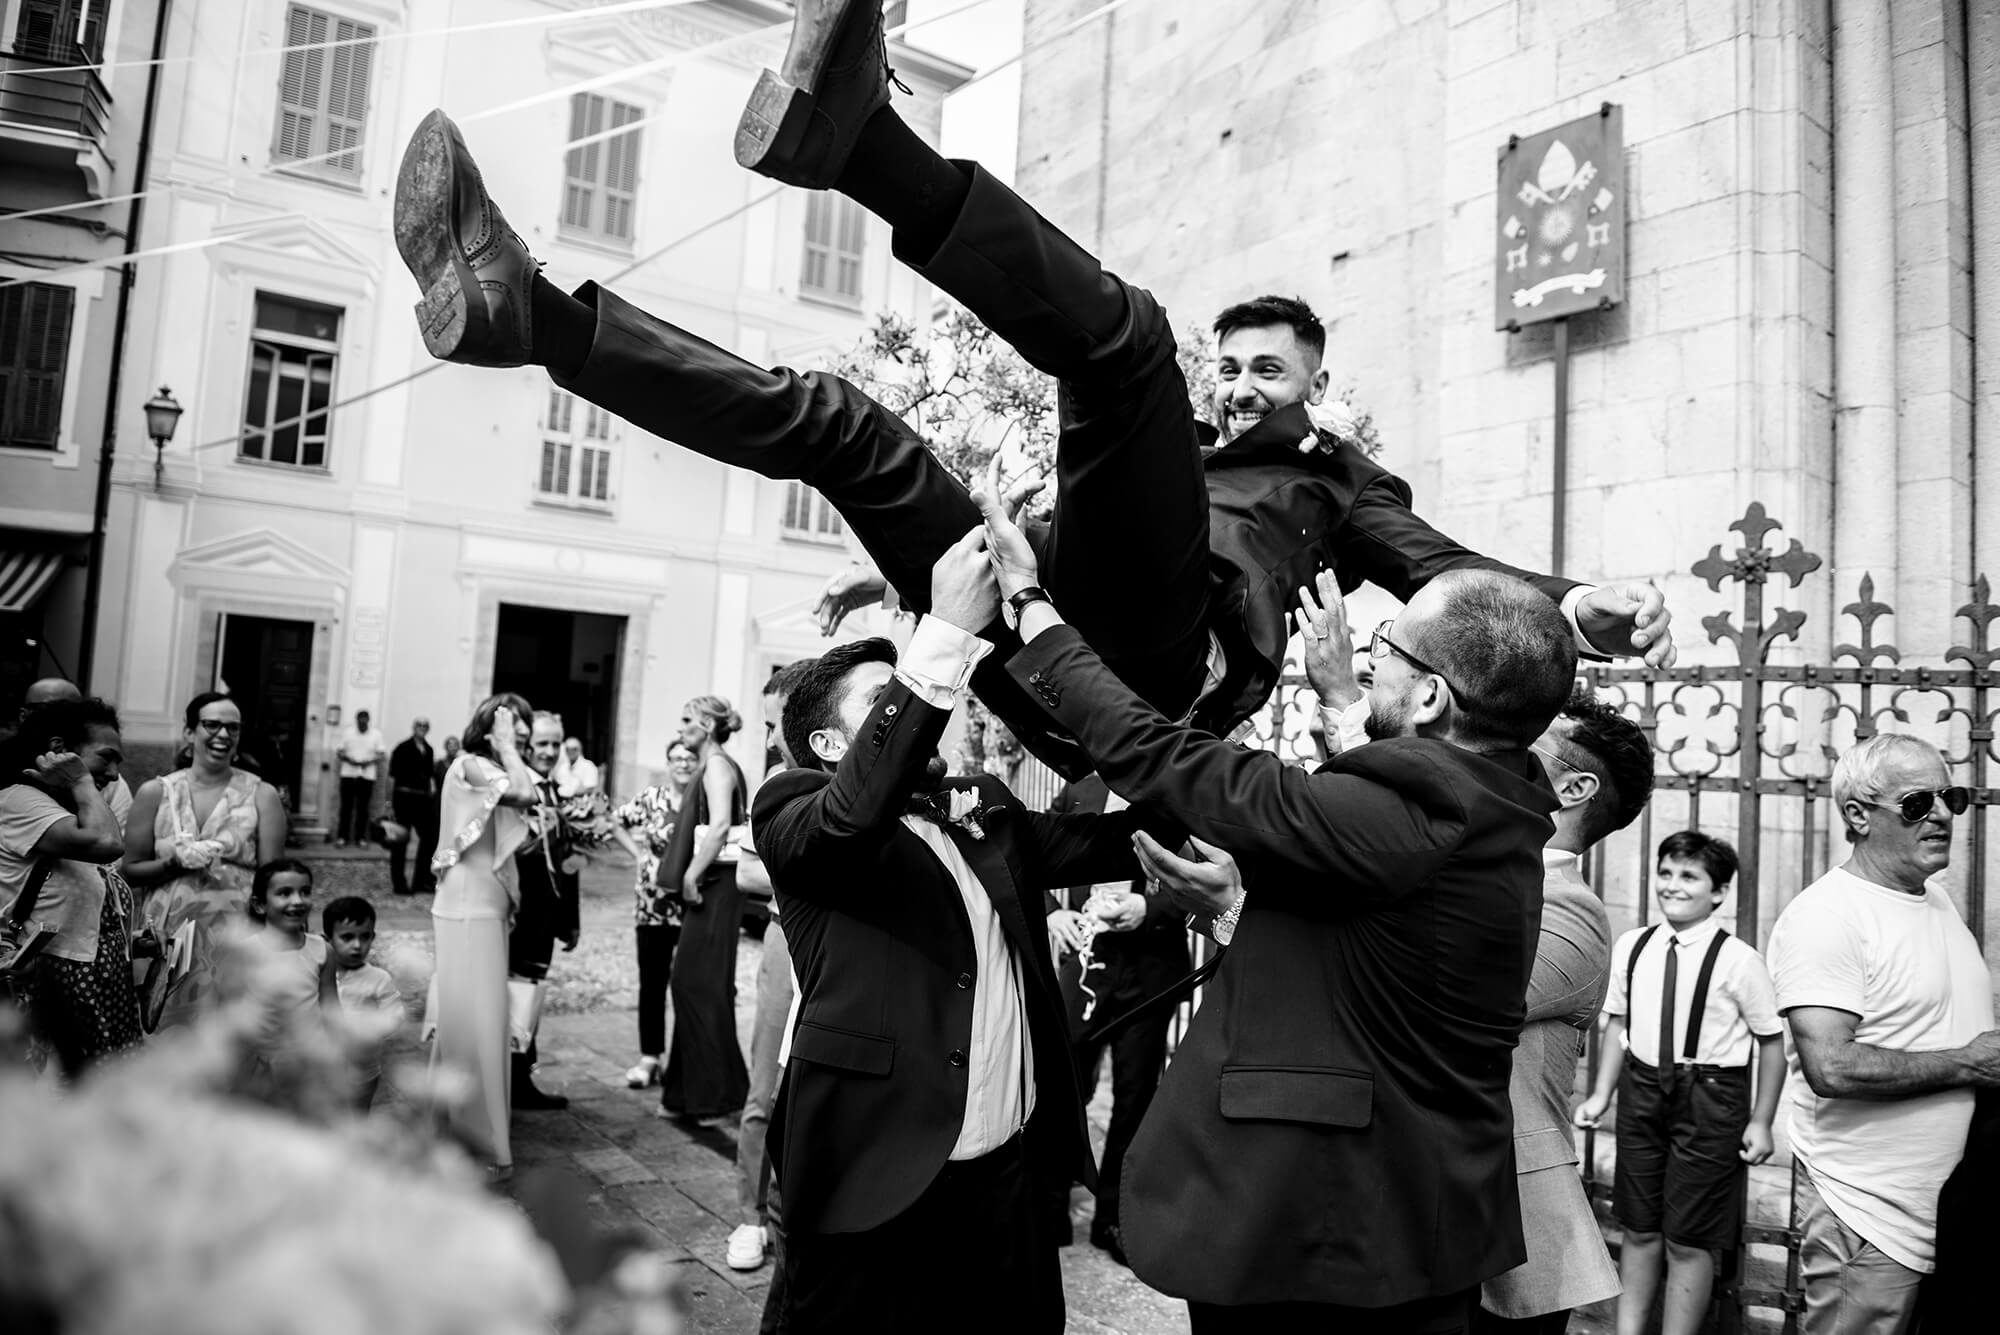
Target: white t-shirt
point(1909, 968)
point(360, 752)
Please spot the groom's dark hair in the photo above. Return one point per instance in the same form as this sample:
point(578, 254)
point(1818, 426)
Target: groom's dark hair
point(817, 695)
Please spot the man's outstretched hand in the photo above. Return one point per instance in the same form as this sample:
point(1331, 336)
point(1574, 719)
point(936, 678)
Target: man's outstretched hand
point(859, 585)
point(1628, 618)
point(962, 587)
point(1014, 563)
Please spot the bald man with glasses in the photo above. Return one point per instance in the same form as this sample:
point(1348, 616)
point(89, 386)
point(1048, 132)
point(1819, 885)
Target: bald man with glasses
point(1890, 1006)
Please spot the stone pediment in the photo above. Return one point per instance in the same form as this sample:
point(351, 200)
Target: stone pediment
point(262, 553)
point(293, 238)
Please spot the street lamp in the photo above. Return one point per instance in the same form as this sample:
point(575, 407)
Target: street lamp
point(163, 414)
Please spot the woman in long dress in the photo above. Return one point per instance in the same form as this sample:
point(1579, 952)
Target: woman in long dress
point(481, 824)
point(706, 1075)
point(195, 839)
point(644, 826)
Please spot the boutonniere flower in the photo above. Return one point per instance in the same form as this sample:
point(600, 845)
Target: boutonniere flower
point(963, 811)
point(1334, 423)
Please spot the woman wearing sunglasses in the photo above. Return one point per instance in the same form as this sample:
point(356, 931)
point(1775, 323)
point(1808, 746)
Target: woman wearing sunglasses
point(195, 839)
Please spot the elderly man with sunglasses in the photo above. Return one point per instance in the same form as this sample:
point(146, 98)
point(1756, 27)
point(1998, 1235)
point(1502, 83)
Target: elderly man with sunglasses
point(1891, 1012)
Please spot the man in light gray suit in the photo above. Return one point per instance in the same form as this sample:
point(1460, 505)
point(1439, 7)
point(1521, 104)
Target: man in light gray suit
point(1602, 768)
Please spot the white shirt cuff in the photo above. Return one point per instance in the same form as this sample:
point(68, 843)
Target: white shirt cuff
point(938, 662)
point(1569, 606)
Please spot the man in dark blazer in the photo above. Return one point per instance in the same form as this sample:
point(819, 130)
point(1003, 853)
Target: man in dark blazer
point(1139, 949)
point(929, 1110)
point(413, 791)
point(550, 909)
point(1331, 1147)
point(1219, 537)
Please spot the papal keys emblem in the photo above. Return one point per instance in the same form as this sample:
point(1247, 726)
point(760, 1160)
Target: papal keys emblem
point(1561, 222)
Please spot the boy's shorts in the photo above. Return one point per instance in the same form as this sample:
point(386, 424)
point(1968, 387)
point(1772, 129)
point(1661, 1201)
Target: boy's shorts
point(1680, 1170)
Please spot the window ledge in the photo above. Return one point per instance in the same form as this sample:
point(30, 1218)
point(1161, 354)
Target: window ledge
point(597, 241)
point(14, 451)
point(810, 539)
point(602, 509)
point(297, 470)
point(831, 300)
point(338, 180)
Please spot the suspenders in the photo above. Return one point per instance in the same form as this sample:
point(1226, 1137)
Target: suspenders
point(1698, 1007)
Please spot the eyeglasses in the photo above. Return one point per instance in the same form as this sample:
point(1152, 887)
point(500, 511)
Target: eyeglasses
point(1915, 806)
point(215, 727)
point(1379, 644)
point(1547, 754)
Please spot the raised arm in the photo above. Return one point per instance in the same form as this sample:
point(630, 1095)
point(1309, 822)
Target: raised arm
point(799, 818)
point(91, 833)
point(1387, 543)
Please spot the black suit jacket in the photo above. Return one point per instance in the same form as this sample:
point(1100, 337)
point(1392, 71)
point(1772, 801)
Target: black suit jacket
point(1335, 1125)
point(412, 768)
point(874, 1094)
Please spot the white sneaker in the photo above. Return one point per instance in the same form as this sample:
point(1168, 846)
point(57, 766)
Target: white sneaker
point(746, 1247)
point(647, 1072)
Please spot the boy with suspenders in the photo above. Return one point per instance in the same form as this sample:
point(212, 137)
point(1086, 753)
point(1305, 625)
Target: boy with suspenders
point(1689, 1003)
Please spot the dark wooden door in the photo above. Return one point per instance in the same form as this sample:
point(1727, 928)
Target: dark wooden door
point(266, 665)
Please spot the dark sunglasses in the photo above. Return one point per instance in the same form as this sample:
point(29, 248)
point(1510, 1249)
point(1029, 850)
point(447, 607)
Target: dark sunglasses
point(1379, 644)
point(1915, 806)
point(215, 727)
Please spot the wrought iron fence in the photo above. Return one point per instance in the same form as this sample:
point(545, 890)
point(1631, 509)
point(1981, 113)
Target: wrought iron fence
point(1745, 750)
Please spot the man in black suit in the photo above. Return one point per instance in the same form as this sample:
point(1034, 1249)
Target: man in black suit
point(929, 1112)
point(551, 903)
point(1138, 948)
point(413, 792)
point(1331, 1148)
point(1219, 537)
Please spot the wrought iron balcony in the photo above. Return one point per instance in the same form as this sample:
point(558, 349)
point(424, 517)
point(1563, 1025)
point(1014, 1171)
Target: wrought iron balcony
point(55, 115)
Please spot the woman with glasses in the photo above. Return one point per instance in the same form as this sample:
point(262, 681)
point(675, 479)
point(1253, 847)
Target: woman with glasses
point(195, 839)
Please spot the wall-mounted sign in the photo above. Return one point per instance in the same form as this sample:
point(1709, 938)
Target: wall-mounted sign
point(1560, 247)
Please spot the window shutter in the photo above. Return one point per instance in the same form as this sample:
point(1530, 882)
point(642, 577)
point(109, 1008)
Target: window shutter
point(580, 165)
point(621, 174)
point(819, 238)
point(39, 31)
point(34, 355)
point(301, 87)
point(347, 94)
point(853, 236)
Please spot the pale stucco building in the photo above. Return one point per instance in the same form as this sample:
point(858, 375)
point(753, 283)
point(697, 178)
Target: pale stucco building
point(441, 531)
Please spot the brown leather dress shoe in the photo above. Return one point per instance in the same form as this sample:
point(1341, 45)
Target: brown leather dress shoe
point(801, 124)
point(474, 270)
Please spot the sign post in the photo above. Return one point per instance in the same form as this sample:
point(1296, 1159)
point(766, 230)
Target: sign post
point(1561, 250)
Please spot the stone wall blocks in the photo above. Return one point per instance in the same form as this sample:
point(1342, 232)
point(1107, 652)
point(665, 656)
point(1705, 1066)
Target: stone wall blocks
point(1702, 293)
point(1683, 168)
point(1509, 94)
point(1597, 54)
point(1922, 174)
point(1481, 40)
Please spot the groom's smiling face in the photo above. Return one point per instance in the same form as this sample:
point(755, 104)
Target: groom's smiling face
point(1258, 370)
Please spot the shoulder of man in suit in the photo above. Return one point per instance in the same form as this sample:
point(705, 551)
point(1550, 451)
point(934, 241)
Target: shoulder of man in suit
point(786, 786)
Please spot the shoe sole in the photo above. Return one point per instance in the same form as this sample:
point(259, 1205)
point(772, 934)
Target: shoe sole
point(426, 224)
point(735, 1264)
point(772, 128)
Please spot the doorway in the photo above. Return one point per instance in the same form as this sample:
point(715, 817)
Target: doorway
point(264, 664)
point(566, 663)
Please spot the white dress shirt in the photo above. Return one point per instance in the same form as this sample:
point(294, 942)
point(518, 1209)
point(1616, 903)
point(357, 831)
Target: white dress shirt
point(1000, 1064)
point(1741, 1002)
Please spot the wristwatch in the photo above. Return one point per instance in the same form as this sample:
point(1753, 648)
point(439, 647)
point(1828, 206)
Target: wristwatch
point(1020, 602)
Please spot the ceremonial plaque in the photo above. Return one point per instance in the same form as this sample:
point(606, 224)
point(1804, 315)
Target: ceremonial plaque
point(1561, 239)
